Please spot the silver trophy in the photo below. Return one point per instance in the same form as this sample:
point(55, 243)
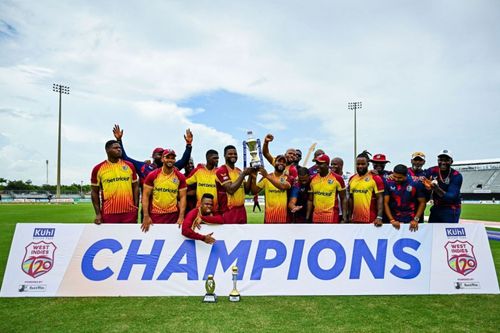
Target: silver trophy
point(210, 296)
point(234, 295)
point(255, 150)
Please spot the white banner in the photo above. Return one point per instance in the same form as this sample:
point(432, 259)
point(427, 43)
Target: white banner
point(120, 260)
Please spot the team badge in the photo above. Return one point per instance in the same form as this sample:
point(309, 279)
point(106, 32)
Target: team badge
point(409, 188)
point(125, 167)
point(461, 258)
point(174, 180)
point(282, 180)
point(330, 181)
point(38, 258)
point(367, 179)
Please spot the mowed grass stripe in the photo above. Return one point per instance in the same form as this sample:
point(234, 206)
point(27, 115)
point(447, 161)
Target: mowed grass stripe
point(435, 313)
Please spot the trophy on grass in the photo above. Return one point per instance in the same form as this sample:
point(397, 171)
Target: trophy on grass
point(210, 296)
point(234, 296)
point(255, 150)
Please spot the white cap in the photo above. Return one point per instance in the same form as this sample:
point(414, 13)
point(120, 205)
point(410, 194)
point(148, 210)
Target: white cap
point(446, 152)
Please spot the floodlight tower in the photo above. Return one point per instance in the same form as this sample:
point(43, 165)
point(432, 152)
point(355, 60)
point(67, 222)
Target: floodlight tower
point(354, 106)
point(61, 90)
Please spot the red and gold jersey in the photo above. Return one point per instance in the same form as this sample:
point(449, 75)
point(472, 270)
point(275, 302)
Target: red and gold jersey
point(227, 201)
point(205, 182)
point(276, 200)
point(166, 189)
point(115, 181)
point(363, 189)
point(290, 171)
point(325, 190)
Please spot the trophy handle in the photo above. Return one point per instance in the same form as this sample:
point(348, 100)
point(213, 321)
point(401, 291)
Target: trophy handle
point(244, 154)
point(260, 153)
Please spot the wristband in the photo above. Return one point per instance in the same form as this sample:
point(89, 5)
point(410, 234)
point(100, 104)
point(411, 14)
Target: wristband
point(379, 217)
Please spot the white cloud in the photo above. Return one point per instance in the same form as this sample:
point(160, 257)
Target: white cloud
point(418, 70)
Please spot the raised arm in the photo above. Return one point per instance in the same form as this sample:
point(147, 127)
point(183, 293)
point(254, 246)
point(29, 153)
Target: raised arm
point(256, 188)
point(118, 134)
point(187, 152)
point(232, 187)
point(265, 148)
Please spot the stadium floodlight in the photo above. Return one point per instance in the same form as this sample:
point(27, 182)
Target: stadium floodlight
point(354, 106)
point(61, 90)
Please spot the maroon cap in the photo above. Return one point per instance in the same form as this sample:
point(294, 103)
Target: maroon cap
point(167, 152)
point(317, 153)
point(323, 158)
point(157, 150)
point(280, 157)
point(379, 158)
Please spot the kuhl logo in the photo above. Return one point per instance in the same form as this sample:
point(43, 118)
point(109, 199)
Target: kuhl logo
point(38, 258)
point(461, 257)
point(455, 232)
point(44, 232)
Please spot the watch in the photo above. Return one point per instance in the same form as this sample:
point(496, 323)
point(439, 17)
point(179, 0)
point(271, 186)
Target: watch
point(417, 219)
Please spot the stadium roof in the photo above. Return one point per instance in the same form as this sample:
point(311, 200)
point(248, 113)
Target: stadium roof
point(477, 162)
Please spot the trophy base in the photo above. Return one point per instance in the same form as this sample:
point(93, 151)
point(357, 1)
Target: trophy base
point(234, 298)
point(210, 298)
point(255, 165)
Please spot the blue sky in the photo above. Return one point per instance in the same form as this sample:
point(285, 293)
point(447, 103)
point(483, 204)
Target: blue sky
point(427, 73)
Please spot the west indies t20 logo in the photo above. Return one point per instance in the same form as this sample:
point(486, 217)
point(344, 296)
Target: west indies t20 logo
point(461, 257)
point(38, 259)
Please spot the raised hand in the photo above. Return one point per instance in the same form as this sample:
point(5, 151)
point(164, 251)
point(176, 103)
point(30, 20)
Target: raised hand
point(188, 137)
point(117, 132)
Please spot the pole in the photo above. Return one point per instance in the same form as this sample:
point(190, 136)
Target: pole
point(61, 90)
point(47, 169)
point(58, 189)
point(355, 106)
point(355, 139)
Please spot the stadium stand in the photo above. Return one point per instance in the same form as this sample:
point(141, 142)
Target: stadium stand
point(481, 179)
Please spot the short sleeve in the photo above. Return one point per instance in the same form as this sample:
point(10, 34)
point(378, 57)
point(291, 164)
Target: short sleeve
point(341, 182)
point(191, 179)
point(94, 179)
point(222, 176)
point(182, 181)
point(379, 184)
point(150, 179)
point(134, 172)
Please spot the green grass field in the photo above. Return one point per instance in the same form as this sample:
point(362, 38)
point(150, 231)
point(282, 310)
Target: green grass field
point(436, 313)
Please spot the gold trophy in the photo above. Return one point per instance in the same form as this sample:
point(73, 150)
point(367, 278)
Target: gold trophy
point(210, 296)
point(234, 296)
point(255, 150)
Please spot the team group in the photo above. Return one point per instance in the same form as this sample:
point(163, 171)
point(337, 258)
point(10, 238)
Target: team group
point(293, 193)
